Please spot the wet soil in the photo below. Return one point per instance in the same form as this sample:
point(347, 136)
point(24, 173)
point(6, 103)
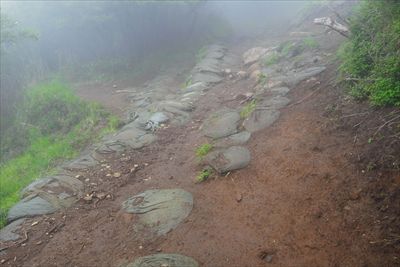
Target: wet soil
point(306, 199)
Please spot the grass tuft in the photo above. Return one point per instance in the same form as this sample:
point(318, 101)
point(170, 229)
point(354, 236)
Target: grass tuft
point(262, 79)
point(203, 175)
point(203, 150)
point(248, 109)
point(310, 42)
point(271, 60)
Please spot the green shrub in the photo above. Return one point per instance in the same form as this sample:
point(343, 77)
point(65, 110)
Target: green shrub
point(286, 47)
point(55, 125)
point(371, 58)
point(52, 107)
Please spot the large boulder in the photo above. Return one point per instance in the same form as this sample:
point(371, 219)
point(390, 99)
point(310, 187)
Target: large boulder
point(159, 211)
point(222, 123)
point(233, 158)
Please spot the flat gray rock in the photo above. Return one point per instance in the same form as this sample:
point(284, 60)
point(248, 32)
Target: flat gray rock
point(208, 65)
point(260, 119)
point(216, 47)
point(295, 77)
point(233, 158)
point(131, 136)
point(254, 54)
point(222, 123)
point(29, 207)
point(279, 91)
point(82, 162)
point(160, 210)
point(177, 105)
point(161, 260)
point(217, 54)
point(159, 117)
point(275, 102)
point(198, 86)
point(10, 232)
point(57, 184)
point(233, 140)
point(206, 77)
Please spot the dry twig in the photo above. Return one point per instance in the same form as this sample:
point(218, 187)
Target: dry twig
point(383, 125)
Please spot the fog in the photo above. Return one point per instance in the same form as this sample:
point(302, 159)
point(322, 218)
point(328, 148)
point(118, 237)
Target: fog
point(60, 37)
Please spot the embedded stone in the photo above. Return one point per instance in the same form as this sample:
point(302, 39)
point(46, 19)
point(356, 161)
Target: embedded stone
point(233, 158)
point(222, 123)
point(260, 119)
point(160, 210)
point(161, 260)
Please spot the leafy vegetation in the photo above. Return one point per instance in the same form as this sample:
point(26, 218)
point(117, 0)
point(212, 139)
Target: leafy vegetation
point(248, 109)
point(310, 42)
point(11, 34)
point(296, 47)
point(371, 58)
point(203, 150)
point(203, 175)
point(53, 125)
point(271, 59)
point(262, 79)
point(15, 66)
point(87, 42)
point(286, 47)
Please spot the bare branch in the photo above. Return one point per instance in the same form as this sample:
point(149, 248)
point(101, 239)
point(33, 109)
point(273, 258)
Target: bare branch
point(334, 25)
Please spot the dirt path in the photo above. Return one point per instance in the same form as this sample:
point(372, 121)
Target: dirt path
point(292, 206)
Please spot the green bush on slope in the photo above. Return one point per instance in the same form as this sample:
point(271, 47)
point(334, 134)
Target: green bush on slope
point(371, 57)
point(52, 125)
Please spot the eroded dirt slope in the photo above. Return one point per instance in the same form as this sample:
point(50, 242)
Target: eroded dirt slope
point(300, 202)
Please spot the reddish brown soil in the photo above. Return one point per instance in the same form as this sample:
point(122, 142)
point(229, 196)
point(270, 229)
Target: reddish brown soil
point(303, 200)
point(104, 94)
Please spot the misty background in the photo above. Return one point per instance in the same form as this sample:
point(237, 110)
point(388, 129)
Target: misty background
point(89, 40)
